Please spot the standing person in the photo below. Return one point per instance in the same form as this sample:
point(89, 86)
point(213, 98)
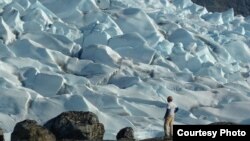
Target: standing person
point(169, 117)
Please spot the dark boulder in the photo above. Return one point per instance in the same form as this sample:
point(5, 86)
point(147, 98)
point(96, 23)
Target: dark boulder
point(29, 130)
point(76, 125)
point(222, 123)
point(1, 135)
point(157, 139)
point(126, 133)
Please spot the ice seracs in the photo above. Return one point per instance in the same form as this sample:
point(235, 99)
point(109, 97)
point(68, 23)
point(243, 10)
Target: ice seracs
point(101, 54)
point(7, 36)
point(129, 45)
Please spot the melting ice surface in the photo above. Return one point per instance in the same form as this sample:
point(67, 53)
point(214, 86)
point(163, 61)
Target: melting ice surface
point(120, 59)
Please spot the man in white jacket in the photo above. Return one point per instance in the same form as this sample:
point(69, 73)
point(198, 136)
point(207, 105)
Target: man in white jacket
point(169, 117)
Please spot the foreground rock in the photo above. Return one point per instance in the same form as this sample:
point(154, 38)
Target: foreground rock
point(29, 130)
point(157, 139)
point(240, 6)
point(76, 126)
point(223, 123)
point(1, 135)
point(126, 133)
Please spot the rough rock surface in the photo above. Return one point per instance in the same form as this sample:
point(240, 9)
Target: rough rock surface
point(29, 130)
point(77, 126)
point(1, 135)
point(157, 139)
point(126, 133)
point(222, 123)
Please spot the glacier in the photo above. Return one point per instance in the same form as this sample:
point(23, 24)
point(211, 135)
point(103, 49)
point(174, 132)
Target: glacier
point(120, 59)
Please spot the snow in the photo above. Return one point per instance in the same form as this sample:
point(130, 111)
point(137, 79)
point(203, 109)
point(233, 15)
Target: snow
point(182, 3)
point(45, 84)
point(100, 54)
point(120, 59)
point(6, 34)
point(214, 18)
point(128, 45)
point(96, 38)
point(181, 36)
point(128, 18)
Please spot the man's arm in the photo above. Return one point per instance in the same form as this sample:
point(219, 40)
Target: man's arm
point(176, 109)
point(167, 113)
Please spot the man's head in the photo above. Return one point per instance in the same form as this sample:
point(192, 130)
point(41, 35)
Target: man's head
point(170, 98)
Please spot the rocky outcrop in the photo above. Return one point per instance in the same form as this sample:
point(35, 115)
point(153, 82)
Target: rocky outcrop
point(240, 6)
point(1, 135)
point(157, 139)
point(76, 126)
point(126, 134)
point(222, 123)
point(69, 126)
point(29, 130)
